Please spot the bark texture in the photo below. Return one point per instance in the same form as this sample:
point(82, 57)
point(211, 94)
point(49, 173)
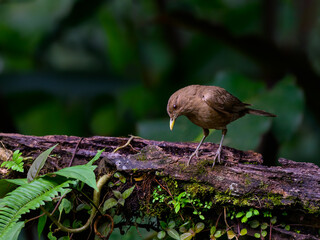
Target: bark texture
point(241, 180)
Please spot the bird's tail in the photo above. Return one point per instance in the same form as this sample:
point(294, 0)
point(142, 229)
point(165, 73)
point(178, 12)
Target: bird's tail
point(260, 113)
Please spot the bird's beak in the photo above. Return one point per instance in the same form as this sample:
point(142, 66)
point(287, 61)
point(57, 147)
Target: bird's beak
point(172, 120)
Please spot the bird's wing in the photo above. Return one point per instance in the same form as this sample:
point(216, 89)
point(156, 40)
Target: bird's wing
point(222, 101)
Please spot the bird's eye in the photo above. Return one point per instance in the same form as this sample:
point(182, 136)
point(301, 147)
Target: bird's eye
point(174, 106)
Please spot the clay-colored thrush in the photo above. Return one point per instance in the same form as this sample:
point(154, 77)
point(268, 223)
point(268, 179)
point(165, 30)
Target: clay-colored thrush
point(209, 107)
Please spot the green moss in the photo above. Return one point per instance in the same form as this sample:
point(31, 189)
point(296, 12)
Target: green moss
point(199, 190)
point(311, 208)
point(227, 198)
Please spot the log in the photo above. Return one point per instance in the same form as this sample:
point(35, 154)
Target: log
point(242, 180)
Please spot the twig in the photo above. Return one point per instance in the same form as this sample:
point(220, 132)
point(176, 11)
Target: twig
point(74, 152)
point(126, 144)
point(225, 217)
point(218, 219)
point(34, 218)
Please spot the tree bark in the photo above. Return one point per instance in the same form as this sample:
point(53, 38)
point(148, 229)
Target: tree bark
point(242, 180)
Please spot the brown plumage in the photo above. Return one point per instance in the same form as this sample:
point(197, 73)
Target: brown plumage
point(209, 107)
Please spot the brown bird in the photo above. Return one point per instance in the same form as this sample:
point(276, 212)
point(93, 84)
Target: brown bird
point(209, 107)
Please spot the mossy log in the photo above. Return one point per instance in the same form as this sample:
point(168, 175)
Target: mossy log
point(242, 181)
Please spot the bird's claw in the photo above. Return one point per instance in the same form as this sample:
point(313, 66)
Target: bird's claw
point(217, 155)
point(195, 153)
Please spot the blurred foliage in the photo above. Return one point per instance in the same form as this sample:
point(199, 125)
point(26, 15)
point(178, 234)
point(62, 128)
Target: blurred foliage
point(109, 67)
point(110, 70)
point(99, 67)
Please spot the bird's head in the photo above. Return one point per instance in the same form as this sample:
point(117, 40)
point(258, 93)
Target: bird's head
point(175, 108)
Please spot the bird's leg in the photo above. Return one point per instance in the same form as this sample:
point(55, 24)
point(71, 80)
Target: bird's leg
point(205, 134)
point(218, 153)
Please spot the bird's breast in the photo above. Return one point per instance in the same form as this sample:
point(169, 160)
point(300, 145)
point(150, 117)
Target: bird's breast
point(208, 118)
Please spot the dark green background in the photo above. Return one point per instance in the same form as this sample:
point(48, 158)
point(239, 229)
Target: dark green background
point(85, 68)
point(108, 68)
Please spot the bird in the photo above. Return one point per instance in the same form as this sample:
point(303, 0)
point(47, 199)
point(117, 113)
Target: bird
point(209, 107)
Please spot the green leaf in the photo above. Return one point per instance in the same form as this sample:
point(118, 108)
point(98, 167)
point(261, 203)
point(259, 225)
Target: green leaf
point(199, 227)
point(213, 230)
point(127, 192)
point(264, 225)
point(83, 206)
point(76, 223)
point(255, 212)
point(231, 234)
point(218, 233)
point(243, 232)
point(18, 181)
point(121, 201)
point(264, 233)
point(163, 224)
point(186, 236)
point(65, 206)
point(95, 158)
point(16, 163)
point(182, 229)
point(14, 233)
point(117, 175)
point(173, 233)
point(244, 219)
point(41, 224)
point(177, 207)
point(239, 214)
point(249, 214)
point(171, 224)
point(287, 227)
point(111, 202)
point(51, 237)
point(123, 179)
point(257, 235)
point(28, 197)
point(82, 173)
point(161, 234)
point(117, 194)
point(273, 220)
point(254, 224)
point(38, 164)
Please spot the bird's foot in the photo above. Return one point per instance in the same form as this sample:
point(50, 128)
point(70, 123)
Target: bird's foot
point(195, 153)
point(217, 156)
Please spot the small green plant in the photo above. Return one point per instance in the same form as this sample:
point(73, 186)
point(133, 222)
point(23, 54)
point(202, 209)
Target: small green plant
point(191, 232)
point(187, 233)
point(168, 228)
point(16, 163)
point(245, 216)
point(120, 198)
point(157, 196)
point(181, 201)
point(121, 179)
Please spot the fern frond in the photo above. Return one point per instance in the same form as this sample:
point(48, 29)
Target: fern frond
point(28, 197)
